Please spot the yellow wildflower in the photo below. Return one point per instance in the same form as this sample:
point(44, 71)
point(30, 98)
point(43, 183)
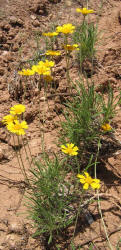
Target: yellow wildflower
point(9, 118)
point(70, 48)
point(48, 78)
point(50, 34)
point(42, 69)
point(34, 68)
point(66, 28)
point(53, 53)
point(17, 109)
point(49, 63)
point(88, 181)
point(106, 127)
point(17, 127)
point(85, 11)
point(26, 72)
point(69, 149)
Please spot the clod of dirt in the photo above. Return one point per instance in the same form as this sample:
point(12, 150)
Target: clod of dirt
point(2, 70)
point(36, 23)
point(5, 26)
point(13, 241)
point(39, 8)
point(14, 21)
point(16, 227)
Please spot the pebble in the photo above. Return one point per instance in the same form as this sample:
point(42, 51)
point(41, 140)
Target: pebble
point(16, 227)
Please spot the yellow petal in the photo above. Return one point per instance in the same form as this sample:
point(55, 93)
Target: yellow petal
point(82, 181)
point(63, 147)
point(80, 176)
point(86, 186)
point(95, 185)
point(96, 180)
point(86, 174)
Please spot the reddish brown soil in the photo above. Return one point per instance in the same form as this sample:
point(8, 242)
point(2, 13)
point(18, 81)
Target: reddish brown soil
point(20, 22)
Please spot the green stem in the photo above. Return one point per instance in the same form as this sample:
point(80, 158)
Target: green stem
point(26, 151)
point(17, 156)
point(29, 149)
point(23, 168)
point(67, 60)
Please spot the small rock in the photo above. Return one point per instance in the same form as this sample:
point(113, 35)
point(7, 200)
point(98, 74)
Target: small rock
point(5, 26)
point(68, 3)
point(16, 227)
point(15, 47)
point(6, 46)
point(15, 21)
point(3, 38)
point(36, 23)
point(33, 17)
point(39, 8)
point(57, 99)
point(13, 241)
point(12, 20)
point(2, 71)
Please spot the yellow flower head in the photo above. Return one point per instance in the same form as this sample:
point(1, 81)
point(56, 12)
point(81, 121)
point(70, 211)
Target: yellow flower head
point(85, 11)
point(43, 70)
point(106, 127)
point(17, 109)
point(88, 181)
point(66, 29)
point(17, 127)
point(9, 118)
point(50, 34)
point(34, 68)
point(48, 78)
point(69, 149)
point(49, 63)
point(70, 48)
point(26, 72)
point(53, 53)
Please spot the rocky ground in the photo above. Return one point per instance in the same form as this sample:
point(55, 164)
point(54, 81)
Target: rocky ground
point(21, 25)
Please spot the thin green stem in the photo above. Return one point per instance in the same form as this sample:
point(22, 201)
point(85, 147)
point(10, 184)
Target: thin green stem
point(29, 149)
point(26, 151)
point(24, 171)
point(17, 156)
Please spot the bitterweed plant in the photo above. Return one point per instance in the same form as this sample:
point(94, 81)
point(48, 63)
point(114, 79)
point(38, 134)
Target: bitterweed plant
point(17, 127)
point(82, 120)
point(88, 114)
point(50, 197)
point(110, 105)
point(86, 36)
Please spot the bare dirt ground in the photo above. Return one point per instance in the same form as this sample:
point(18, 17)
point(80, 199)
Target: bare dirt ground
point(20, 24)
